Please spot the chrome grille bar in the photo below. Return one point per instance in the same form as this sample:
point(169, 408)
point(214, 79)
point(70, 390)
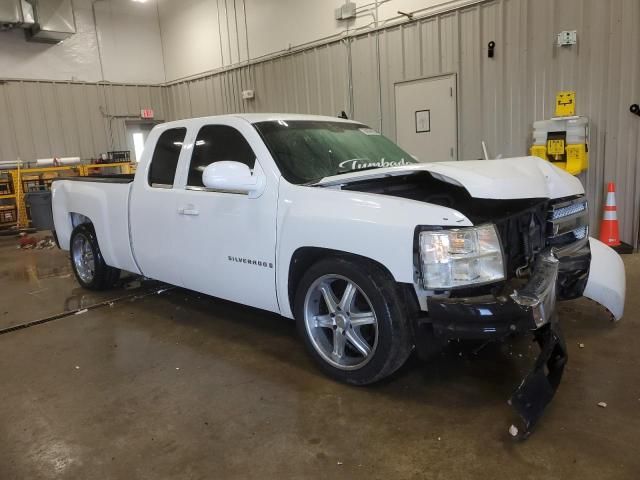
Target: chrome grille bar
point(568, 221)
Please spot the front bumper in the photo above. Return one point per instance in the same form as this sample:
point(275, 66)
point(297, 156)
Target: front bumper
point(527, 310)
point(537, 389)
point(606, 279)
point(511, 311)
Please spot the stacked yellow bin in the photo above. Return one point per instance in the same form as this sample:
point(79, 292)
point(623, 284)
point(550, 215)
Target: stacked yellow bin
point(563, 140)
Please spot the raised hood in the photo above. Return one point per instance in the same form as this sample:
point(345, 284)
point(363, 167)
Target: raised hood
point(509, 178)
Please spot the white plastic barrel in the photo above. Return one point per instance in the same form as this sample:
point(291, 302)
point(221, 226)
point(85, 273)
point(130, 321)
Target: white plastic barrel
point(575, 128)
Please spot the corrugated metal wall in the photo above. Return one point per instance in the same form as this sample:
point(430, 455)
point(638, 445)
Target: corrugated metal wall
point(56, 119)
point(498, 98)
point(315, 81)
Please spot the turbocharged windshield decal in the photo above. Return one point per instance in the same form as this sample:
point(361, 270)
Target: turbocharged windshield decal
point(363, 163)
point(368, 131)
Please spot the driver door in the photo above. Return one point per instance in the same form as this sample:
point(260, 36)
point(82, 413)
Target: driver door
point(229, 239)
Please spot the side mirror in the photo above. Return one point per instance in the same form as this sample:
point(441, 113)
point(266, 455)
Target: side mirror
point(233, 177)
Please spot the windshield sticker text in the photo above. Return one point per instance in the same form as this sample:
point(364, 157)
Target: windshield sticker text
point(360, 163)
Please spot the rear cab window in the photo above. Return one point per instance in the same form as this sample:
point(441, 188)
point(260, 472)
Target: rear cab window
point(164, 162)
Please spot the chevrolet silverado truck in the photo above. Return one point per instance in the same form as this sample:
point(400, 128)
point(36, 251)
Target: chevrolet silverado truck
point(372, 252)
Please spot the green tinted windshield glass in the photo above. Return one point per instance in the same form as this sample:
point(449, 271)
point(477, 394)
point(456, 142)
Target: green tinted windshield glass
point(307, 151)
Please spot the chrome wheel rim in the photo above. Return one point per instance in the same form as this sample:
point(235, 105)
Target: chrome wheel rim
point(83, 258)
point(340, 322)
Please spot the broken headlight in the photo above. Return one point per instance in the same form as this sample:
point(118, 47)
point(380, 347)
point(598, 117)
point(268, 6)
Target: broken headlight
point(460, 257)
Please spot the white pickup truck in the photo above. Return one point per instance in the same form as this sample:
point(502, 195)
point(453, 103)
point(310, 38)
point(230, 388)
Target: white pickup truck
point(373, 253)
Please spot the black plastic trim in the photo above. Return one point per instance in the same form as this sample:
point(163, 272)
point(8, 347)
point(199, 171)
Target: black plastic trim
point(123, 178)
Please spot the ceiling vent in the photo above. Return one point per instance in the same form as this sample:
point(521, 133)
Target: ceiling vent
point(54, 21)
point(15, 13)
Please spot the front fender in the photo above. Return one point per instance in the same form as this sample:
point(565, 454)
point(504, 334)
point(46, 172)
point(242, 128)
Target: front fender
point(380, 228)
point(607, 282)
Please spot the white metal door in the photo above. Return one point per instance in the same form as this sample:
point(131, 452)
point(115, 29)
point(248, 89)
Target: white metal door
point(228, 240)
point(426, 119)
point(154, 223)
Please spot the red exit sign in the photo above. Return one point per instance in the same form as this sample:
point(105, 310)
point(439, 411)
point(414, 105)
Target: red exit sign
point(146, 113)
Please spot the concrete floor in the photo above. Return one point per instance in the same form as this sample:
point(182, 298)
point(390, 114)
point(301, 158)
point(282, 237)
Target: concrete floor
point(178, 385)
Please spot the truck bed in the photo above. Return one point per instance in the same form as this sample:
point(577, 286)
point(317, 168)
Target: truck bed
point(104, 201)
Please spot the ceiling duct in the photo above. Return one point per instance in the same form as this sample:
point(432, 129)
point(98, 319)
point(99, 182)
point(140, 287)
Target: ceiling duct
point(54, 21)
point(15, 13)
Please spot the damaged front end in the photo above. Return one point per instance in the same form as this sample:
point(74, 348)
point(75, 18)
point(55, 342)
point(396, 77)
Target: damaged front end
point(538, 388)
point(547, 257)
point(538, 301)
point(524, 308)
point(526, 305)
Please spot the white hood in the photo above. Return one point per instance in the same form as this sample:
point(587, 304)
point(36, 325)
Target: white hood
point(509, 178)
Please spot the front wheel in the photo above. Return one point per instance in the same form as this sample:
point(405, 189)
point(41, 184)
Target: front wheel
point(86, 260)
point(351, 319)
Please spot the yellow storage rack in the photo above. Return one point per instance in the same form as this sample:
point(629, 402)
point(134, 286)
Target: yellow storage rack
point(8, 213)
point(17, 194)
point(7, 209)
point(86, 169)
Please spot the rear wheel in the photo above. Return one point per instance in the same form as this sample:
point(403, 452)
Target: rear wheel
point(351, 319)
point(86, 260)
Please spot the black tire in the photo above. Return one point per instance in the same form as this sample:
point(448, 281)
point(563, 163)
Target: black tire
point(104, 277)
point(394, 343)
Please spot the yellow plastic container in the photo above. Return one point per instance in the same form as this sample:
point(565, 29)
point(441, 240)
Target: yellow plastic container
point(562, 141)
point(577, 157)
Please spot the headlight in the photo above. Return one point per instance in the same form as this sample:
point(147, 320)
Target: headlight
point(460, 257)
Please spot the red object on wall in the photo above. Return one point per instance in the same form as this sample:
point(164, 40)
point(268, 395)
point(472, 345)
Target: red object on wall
point(146, 113)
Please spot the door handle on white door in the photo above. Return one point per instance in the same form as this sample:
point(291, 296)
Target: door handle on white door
point(188, 211)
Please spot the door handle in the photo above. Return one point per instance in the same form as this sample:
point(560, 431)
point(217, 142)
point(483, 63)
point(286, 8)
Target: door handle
point(188, 211)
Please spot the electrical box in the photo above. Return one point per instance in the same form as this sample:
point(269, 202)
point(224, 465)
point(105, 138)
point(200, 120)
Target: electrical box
point(346, 11)
point(248, 94)
point(566, 38)
point(563, 141)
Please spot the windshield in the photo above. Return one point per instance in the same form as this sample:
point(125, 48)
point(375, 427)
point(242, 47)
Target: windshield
point(307, 151)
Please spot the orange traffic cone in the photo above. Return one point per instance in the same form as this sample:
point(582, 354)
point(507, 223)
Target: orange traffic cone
point(609, 230)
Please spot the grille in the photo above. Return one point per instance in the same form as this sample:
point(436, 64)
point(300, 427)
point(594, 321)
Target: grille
point(523, 234)
point(529, 230)
point(567, 221)
point(562, 212)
